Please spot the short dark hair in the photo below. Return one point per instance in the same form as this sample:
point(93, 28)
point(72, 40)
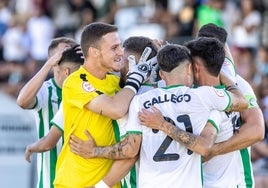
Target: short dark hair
point(212, 30)
point(73, 55)
point(56, 41)
point(210, 50)
point(171, 56)
point(93, 33)
point(137, 44)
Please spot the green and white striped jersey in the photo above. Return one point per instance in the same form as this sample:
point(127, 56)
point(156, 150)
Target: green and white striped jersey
point(47, 104)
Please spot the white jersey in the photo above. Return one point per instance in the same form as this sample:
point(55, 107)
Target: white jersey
point(217, 172)
point(48, 102)
point(222, 171)
point(58, 119)
point(244, 159)
point(164, 162)
point(131, 178)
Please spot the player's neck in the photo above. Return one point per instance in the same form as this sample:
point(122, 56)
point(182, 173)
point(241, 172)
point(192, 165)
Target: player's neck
point(96, 70)
point(209, 80)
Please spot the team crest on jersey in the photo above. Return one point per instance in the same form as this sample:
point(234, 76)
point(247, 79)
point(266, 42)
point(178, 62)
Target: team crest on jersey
point(219, 92)
point(87, 87)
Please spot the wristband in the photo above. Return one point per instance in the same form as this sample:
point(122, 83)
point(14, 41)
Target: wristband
point(101, 184)
point(134, 87)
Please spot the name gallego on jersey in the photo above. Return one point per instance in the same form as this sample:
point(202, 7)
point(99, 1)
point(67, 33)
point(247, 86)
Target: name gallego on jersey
point(166, 98)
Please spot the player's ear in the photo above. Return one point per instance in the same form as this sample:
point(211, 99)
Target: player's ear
point(161, 74)
point(189, 68)
point(195, 66)
point(94, 52)
point(67, 71)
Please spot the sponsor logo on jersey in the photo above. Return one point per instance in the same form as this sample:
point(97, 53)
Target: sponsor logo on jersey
point(87, 87)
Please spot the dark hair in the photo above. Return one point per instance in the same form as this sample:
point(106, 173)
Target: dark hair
point(171, 56)
point(212, 30)
point(137, 44)
point(56, 41)
point(93, 33)
point(73, 55)
point(210, 50)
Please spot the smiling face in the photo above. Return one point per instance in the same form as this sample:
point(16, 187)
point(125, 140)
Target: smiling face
point(110, 52)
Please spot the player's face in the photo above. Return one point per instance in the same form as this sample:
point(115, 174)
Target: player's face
point(111, 52)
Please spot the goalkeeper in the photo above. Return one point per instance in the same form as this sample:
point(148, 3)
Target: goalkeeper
point(91, 99)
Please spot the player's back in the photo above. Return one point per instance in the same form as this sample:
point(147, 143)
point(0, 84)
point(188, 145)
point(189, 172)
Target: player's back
point(162, 158)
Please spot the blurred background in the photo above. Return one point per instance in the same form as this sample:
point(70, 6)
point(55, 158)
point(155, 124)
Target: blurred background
point(27, 27)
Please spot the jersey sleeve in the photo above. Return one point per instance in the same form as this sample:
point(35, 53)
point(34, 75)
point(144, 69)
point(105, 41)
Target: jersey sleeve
point(215, 98)
point(215, 119)
point(228, 68)
point(41, 97)
point(247, 91)
point(133, 123)
point(122, 124)
point(57, 120)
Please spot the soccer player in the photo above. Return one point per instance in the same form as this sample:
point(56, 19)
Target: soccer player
point(70, 61)
point(238, 130)
point(162, 160)
point(44, 97)
point(91, 99)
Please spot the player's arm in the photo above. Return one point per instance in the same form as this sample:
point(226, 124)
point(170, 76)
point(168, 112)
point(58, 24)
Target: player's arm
point(116, 106)
point(120, 167)
point(125, 149)
point(27, 96)
point(238, 101)
point(119, 170)
point(45, 143)
point(200, 144)
point(252, 129)
point(249, 133)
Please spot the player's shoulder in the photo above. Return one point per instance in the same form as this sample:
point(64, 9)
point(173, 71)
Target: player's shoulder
point(208, 91)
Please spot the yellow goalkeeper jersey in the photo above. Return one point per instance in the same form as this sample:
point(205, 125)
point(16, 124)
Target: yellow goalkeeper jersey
point(79, 89)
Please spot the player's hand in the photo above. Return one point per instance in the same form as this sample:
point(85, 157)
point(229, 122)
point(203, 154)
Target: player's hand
point(78, 50)
point(28, 153)
point(139, 73)
point(151, 118)
point(211, 154)
point(226, 80)
point(55, 59)
point(83, 148)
